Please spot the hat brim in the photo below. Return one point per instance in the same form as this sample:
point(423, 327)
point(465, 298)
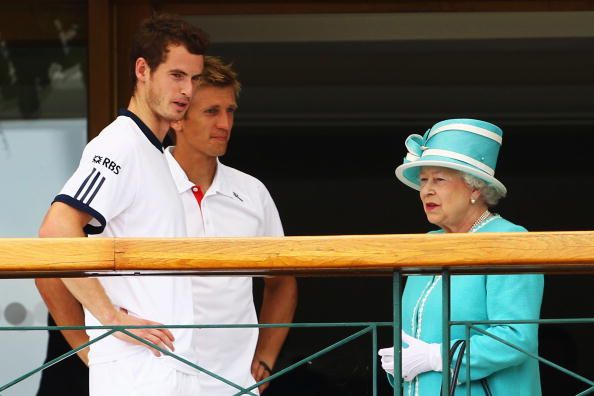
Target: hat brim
point(406, 178)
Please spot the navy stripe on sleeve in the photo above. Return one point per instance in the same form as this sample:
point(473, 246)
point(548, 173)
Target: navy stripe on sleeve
point(96, 191)
point(84, 183)
point(76, 204)
point(90, 188)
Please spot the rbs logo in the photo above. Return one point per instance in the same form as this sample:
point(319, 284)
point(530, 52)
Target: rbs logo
point(106, 162)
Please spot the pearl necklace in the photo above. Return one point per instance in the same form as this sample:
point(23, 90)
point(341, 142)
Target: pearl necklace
point(481, 218)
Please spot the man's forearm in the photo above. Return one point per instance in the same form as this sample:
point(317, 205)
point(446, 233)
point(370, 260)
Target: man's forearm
point(278, 306)
point(65, 310)
point(64, 297)
point(90, 293)
point(60, 296)
point(62, 220)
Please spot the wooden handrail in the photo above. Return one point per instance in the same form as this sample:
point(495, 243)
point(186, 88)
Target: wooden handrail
point(483, 252)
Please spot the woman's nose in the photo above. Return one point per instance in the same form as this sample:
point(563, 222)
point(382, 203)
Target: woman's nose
point(427, 189)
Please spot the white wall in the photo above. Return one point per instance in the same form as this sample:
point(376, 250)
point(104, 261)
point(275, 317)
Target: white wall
point(36, 158)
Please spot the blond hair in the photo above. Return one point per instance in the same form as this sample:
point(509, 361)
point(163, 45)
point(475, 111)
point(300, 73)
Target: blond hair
point(218, 74)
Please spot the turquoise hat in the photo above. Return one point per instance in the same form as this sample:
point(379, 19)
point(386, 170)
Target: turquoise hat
point(466, 145)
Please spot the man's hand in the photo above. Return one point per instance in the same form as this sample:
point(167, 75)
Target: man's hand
point(160, 337)
point(260, 371)
point(278, 306)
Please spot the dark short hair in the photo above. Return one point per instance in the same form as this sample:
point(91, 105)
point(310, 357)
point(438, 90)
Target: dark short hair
point(157, 33)
point(217, 73)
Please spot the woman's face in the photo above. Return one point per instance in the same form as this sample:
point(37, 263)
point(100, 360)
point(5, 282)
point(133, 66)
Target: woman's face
point(446, 198)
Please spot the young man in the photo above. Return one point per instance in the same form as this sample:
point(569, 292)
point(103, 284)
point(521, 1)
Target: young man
point(123, 188)
point(220, 201)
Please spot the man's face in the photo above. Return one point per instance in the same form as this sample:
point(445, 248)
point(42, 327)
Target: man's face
point(207, 127)
point(172, 84)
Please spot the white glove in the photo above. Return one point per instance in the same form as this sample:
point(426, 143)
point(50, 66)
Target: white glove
point(387, 355)
point(417, 358)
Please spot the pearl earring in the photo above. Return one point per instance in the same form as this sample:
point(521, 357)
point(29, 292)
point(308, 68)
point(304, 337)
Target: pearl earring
point(472, 201)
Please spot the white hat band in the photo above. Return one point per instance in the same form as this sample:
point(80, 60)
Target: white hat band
point(412, 157)
point(460, 157)
point(467, 128)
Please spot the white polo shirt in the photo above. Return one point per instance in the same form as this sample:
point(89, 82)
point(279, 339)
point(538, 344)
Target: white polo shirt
point(235, 205)
point(124, 182)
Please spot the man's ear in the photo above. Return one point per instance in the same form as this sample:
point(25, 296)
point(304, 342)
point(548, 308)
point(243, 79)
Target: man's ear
point(142, 70)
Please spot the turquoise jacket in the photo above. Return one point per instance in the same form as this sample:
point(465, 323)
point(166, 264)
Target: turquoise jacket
point(480, 297)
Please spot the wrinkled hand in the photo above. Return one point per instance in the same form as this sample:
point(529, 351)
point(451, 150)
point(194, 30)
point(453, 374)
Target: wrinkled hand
point(417, 358)
point(260, 371)
point(161, 337)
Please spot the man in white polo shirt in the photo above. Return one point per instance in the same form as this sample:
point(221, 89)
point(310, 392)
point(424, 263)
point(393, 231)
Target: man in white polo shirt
point(123, 188)
point(220, 201)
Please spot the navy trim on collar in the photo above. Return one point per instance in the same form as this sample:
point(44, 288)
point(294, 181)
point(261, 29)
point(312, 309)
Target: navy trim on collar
point(146, 130)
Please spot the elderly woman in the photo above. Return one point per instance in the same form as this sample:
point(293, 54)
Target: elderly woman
point(453, 167)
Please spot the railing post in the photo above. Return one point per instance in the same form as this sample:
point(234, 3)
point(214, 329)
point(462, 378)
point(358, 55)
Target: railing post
point(445, 346)
point(374, 359)
point(397, 330)
point(467, 336)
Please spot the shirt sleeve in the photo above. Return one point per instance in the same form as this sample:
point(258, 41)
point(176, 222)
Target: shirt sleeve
point(101, 186)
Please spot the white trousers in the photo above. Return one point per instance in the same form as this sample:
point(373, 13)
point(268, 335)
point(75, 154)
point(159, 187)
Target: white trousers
point(141, 375)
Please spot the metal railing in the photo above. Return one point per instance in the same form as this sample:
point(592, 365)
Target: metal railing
point(366, 328)
point(395, 255)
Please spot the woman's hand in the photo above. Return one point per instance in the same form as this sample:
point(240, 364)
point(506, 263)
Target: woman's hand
point(418, 357)
point(387, 355)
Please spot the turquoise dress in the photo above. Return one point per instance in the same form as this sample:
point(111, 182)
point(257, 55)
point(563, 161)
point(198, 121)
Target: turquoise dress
point(479, 297)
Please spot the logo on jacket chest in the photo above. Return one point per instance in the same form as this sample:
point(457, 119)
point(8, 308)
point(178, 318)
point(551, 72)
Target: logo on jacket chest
point(106, 162)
